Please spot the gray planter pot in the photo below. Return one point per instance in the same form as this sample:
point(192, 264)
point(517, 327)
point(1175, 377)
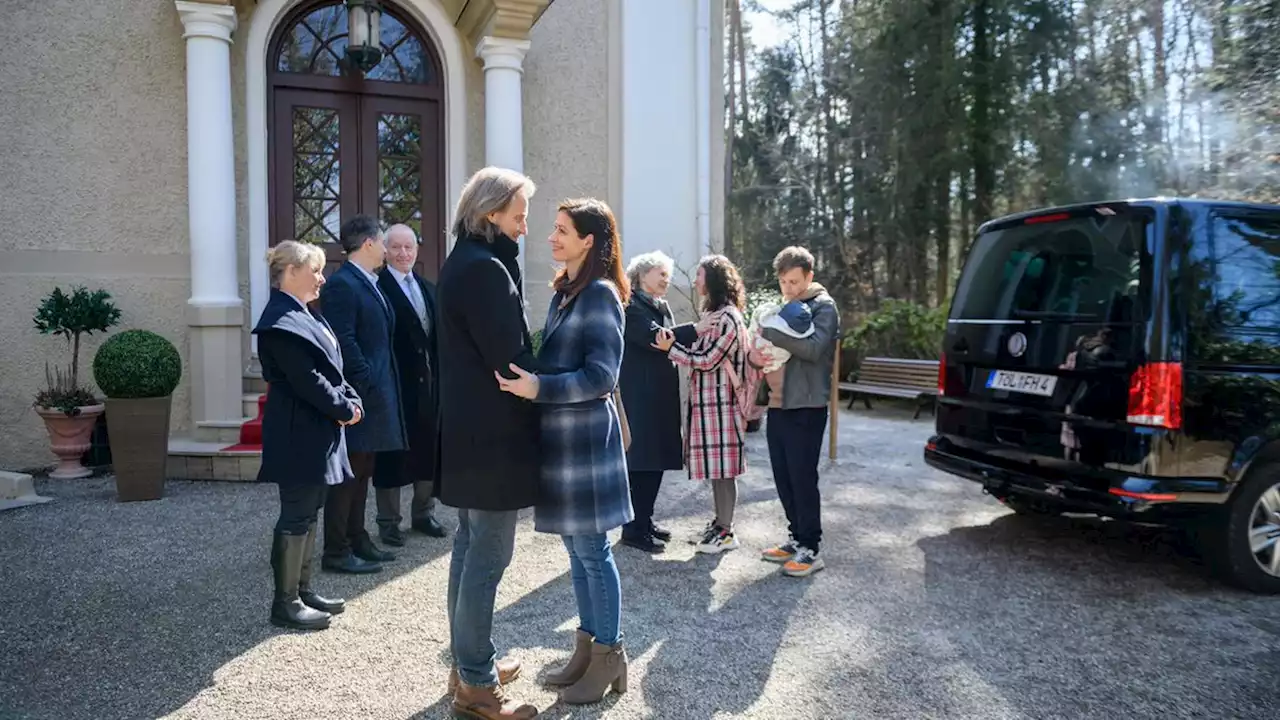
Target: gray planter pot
point(139, 430)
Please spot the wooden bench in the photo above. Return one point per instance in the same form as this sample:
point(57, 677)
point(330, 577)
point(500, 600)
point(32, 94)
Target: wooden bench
point(895, 377)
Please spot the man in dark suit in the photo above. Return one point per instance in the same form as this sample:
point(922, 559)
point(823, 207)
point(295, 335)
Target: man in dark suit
point(414, 344)
point(362, 319)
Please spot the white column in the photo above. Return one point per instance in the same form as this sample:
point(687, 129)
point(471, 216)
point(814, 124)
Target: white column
point(702, 71)
point(503, 104)
point(215, 310)
point(211, 182)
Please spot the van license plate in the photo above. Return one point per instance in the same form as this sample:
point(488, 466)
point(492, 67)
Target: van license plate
point(1020, 382)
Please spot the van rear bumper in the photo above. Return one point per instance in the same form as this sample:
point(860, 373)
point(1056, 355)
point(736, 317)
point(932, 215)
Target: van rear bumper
point(1125, 495)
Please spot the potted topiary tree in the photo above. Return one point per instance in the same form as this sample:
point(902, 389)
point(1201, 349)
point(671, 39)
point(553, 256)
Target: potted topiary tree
point(69, 410)
point(138, 370)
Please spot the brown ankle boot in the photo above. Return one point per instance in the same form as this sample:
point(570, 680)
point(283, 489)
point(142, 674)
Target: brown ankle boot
point(489, 703)
point(577, 666)
point(608, 667)
point(508, 672)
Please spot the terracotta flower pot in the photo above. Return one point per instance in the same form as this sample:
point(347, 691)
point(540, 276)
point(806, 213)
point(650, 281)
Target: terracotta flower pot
point(69, 438)
point(139, 430)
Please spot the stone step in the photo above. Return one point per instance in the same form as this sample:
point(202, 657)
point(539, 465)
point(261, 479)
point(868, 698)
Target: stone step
point(254, 384)
point(191, 459)
point(219, 431)
point(249, 403)
point(18, 490)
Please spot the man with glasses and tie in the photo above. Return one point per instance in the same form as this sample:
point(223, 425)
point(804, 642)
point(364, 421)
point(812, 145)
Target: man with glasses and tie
point(364, 323)
point(414, 344)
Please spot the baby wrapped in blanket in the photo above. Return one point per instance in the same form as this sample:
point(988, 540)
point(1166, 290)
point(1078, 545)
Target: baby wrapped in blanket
point(793, 318)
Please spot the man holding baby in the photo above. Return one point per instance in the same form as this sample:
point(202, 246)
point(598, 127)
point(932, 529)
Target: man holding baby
point(807, 328)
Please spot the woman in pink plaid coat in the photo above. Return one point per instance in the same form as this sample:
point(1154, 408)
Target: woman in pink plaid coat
point(716, 431)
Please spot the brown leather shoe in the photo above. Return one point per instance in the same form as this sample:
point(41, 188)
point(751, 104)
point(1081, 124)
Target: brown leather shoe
point(489, 703)
point(508, 672)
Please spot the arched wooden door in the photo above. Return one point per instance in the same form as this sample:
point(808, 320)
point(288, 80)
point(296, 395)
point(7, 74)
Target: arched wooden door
point(342, 143)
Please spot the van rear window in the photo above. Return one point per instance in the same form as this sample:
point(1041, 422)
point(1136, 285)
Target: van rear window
point(1081, 269)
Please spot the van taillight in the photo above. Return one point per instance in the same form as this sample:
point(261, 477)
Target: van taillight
point(1038, 219)
point(942, 375)
point(1155, 395)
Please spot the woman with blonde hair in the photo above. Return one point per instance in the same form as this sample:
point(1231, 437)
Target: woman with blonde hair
point(304, 447)
point(715, 439)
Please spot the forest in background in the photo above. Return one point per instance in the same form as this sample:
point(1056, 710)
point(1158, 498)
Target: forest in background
point(881, 133)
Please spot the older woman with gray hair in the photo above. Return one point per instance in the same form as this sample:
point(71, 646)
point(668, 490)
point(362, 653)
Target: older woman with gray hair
point(650, 387)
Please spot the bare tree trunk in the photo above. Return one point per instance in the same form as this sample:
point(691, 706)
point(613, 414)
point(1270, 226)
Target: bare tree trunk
point(742, 62)
point(1221, 48)
point(984, 176)
point(1161, 73)
point(942, 234)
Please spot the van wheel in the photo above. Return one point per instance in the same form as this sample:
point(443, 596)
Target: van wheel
point(1029, 506)
point(1244, 544)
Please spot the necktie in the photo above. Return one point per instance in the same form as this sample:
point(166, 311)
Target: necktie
point(415, 298)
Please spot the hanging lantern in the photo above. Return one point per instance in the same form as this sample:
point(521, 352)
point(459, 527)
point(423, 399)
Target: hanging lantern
point(364, 41)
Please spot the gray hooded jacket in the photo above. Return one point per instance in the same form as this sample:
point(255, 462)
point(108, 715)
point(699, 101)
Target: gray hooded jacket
point(806, 379)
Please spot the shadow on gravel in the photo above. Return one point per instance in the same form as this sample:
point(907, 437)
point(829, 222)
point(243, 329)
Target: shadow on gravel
point(139, 618)
point(1126, 552)
point(1084, 617)
point(674, 624)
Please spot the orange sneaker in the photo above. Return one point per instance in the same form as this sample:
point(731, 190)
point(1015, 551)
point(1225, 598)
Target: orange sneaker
point(780, 554)
point(805, 563)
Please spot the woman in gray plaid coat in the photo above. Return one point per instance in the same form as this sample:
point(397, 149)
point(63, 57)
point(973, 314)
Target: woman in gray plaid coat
point(584, 492)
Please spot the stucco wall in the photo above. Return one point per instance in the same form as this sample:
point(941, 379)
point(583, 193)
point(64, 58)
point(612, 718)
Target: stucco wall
point(660, 143)
point(93, 146)
point(566, 138)
point(475, 120)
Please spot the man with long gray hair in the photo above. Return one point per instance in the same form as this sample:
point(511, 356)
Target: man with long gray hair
point(489, 462)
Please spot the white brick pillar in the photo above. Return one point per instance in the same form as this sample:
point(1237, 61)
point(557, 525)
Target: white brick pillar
point(503, 105)
point(215, 311)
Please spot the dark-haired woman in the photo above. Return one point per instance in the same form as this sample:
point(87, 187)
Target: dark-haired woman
point(584, 492)
point(717, 359)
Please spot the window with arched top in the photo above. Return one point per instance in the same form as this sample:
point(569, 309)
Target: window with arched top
point(316, 44)
point(346, 143)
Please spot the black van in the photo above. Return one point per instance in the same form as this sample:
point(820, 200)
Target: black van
point(1123, 359)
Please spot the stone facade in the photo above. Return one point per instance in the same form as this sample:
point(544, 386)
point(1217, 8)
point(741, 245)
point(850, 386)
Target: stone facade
point(94, 139)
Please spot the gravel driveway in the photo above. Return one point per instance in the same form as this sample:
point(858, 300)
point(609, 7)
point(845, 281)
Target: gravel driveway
point(935, 603)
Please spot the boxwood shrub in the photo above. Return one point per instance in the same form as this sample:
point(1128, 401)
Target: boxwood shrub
point(137, 364)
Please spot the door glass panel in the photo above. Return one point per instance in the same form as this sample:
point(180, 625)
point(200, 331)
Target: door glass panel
point(316, 170)
point(316, 44)
point(404, 58)
point(400, 170)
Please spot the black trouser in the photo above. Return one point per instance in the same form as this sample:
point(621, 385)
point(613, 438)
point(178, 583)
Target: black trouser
point(795, 444)
point(345, 507)
point(299, 507)
point(644, 493)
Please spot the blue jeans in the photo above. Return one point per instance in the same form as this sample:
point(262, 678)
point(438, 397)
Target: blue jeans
point(597, 586)
point(482, 549)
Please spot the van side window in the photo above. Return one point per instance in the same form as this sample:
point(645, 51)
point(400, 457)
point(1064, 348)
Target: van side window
point(1235, 314)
